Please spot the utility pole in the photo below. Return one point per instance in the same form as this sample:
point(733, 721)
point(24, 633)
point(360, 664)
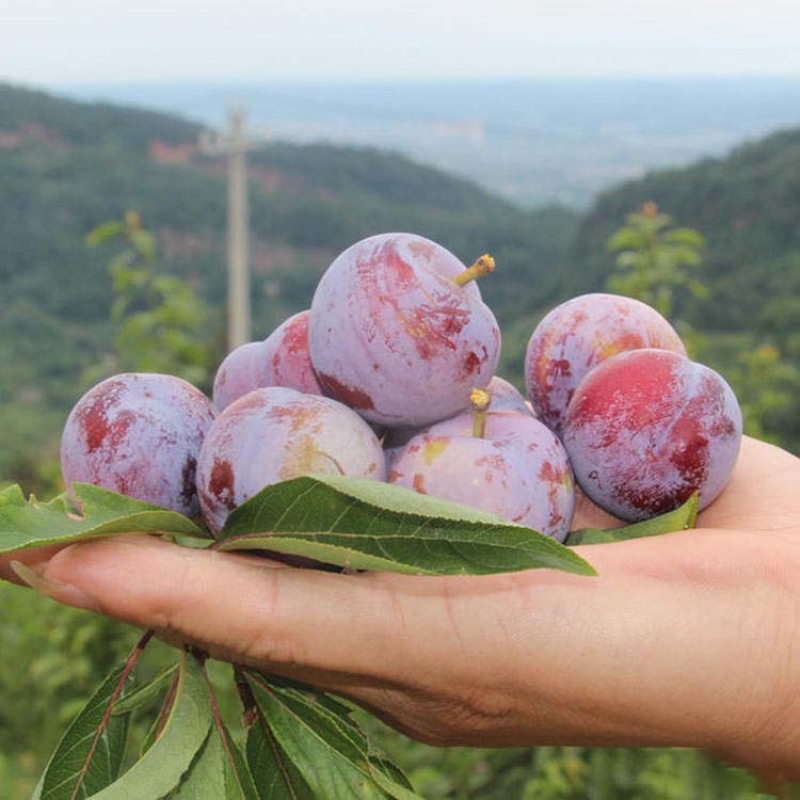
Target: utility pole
point(234, 145)
point(238, 233)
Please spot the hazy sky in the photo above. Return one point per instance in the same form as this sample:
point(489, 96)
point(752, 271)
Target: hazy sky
point(57, 42)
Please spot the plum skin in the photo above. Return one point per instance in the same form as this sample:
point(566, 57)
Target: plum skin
point(579, 334)
point(276, 433)
point(506, 397)
point(281, 359)
point(138, 434)
point(241, 371)
point(648, 428)
point(519, 470)
point(393, 336)
point(288, 359)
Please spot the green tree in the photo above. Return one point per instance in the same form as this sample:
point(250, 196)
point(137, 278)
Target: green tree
point(161, 323)
point(767, 385)
point(655, 259)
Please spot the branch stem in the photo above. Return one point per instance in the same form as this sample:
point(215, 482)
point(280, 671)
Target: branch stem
point(130, 663)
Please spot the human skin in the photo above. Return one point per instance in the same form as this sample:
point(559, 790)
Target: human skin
point(687, 639)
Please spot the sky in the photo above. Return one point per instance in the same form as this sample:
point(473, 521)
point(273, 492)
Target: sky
point(55, 43)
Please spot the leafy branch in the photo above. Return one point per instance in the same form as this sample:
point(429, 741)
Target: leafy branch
point(161, 322)
point(654, 259)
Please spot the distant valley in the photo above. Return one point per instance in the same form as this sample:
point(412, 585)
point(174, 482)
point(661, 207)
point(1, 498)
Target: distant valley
point(535, 143)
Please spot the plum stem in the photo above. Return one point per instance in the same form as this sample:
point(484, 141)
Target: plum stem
point(481, 399)
point(483, 266)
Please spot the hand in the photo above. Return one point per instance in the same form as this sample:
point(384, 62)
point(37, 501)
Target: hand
point(687, 639)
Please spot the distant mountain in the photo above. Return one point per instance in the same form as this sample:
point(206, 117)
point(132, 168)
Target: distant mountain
point(57, 121)
point(536, 142)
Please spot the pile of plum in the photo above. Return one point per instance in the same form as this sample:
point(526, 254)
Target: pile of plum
point(390, 375)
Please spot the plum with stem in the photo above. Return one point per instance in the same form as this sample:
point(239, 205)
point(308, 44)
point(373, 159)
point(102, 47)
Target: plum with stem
point(398, 330)
point(504, 462)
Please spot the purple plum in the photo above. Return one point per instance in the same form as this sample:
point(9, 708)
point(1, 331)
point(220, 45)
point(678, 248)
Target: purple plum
point(506, 396)
point(511, 465)
point(274, 434)
point(648, 428)
point(288, 359)
point(241, 371)
point(399, 332)
point(280, 360)
point(580, 333)
point(138, 434)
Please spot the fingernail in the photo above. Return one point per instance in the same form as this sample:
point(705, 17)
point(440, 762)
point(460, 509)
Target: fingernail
point(62, 592)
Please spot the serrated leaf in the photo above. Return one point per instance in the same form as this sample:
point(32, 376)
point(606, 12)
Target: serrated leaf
point(332, 761)
point(339, 706)
point(164, 765)
point(680, 519)
point(30, 523)
point(67, 775)
point(363, 524)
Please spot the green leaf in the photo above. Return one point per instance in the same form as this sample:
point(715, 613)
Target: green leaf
point(102, 513)
point(144, 693)
point(680, 519)
point(330, 753)
point(391, 780)
point(274, 774)
point(364, 524)
point(206, 775)
point(219, 771)
point(239, 783)
point(104, 232)
point(164, 765)
point(67, 775)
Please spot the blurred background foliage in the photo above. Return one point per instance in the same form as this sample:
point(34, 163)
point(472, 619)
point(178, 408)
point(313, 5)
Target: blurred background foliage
point(715, 245)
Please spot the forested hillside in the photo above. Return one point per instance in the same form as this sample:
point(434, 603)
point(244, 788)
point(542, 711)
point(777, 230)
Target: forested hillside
point(748, 207)
point(65, 168)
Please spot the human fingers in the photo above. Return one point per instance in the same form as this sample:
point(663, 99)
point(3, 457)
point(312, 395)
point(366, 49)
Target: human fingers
point(240, 608)
point(33, 558)
point(631, 657)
